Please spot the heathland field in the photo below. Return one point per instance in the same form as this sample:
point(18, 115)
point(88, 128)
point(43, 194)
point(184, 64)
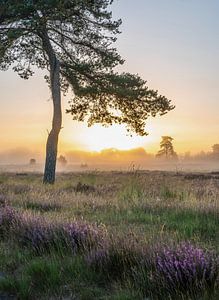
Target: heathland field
point(110, 235)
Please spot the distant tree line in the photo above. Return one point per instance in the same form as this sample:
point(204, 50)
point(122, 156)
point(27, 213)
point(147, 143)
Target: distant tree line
point(165, 153)
point(202, 155)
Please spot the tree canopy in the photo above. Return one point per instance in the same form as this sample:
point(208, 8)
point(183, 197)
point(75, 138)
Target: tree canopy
point(81, 33)
point(73, 40)
point(166, 148)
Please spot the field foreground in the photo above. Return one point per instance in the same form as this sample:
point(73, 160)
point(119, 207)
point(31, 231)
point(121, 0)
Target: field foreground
point(110, 235)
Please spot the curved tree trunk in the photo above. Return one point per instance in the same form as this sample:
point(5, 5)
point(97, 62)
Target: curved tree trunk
point(52, 141)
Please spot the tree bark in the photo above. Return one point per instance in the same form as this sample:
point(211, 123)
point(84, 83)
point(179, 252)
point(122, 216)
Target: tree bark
point(52, 141)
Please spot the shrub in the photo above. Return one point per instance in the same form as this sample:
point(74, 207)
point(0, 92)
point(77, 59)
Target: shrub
point(115, 260)
point(8, 216)
point(82, 235)
point(186, 269)
point(84, 188)
point(38, 234)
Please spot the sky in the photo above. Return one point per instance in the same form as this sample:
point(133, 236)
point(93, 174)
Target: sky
point(173, 44)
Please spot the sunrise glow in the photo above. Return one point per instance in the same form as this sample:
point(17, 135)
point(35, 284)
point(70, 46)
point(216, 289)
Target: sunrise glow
point(176, 68)
point(98, 138)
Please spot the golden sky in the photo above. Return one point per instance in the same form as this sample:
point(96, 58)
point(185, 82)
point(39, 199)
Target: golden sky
point(173, 46)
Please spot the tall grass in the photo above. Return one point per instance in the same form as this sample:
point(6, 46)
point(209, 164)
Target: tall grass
point(136, 235)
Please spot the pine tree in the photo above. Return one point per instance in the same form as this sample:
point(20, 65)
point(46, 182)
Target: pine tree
point(73, 40)
point(166, 148)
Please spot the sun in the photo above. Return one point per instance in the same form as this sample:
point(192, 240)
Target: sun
point(76, 135)
point(98, 138)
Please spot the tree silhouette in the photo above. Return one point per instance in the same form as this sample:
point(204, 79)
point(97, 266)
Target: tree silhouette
point(62, 160)
point(215, 148)
point(166, 148)
point(32, 161)
point(73, 41)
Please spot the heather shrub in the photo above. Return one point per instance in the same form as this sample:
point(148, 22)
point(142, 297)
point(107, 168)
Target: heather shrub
point(115, 260)
point(81, 188)
point(186, 270)
point(38, 234)
point(75, 236)
point(25, 229)
point(81, 235)
point(8, 217)
point(84, 188)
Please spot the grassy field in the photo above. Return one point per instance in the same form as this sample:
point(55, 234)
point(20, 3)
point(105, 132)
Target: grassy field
point(109, 235)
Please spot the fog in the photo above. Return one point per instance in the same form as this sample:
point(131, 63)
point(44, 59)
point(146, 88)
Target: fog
point(18, 160)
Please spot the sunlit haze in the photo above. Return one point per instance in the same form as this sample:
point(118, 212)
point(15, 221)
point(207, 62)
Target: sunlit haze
point(173, 44)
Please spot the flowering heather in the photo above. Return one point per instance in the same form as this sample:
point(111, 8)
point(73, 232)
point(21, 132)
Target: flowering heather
point(41, 235)
point(8, 216)
point(36, 232)
point(187, 269)
point(82, 235)
point(114, 259)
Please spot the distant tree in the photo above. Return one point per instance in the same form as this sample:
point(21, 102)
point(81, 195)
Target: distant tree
point(62, 160)
point(166, 148)
point(215, 149)
point(187, 155)
point(32, 161)
point(73, 41)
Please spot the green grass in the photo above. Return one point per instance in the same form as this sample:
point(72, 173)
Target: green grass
point(146, 207)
